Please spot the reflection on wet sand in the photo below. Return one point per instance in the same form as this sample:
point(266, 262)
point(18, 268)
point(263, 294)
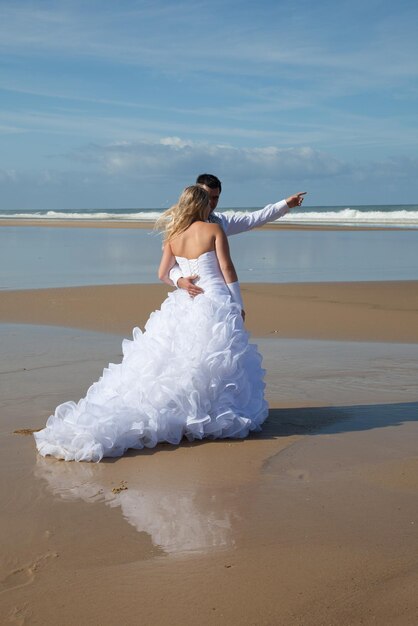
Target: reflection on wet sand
point(179, 518)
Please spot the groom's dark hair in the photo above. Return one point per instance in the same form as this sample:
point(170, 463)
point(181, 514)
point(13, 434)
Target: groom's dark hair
point(210, 181)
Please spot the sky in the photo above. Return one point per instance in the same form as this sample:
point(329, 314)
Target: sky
point(108, 104)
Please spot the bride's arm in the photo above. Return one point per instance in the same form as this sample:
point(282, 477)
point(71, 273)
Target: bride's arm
point(227, 267)
point(167, 262)
point(224, 256)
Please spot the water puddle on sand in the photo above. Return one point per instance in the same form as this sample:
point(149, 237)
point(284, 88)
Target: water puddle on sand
point(179, 515)
point(197, 498)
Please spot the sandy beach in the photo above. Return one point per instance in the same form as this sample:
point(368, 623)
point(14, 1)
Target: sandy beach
point(364, 311)
point(311, 522)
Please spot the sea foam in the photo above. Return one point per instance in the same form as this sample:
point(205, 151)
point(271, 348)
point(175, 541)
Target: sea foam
point(361, 216)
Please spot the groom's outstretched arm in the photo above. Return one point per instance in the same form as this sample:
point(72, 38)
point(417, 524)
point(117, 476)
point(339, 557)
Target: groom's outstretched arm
point(241, 222)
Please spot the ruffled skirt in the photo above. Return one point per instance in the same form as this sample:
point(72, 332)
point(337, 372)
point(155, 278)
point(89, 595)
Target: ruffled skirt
point(192, 373)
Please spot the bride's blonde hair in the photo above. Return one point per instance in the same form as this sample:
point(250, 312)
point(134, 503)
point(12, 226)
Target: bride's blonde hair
point(192, 206)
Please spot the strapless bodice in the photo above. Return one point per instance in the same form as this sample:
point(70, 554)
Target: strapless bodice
point(205, 266)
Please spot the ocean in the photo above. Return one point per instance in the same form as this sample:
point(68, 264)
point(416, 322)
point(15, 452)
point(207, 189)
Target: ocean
point(394, 216)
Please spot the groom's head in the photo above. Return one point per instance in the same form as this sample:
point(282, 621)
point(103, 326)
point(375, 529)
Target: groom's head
point(212, 185)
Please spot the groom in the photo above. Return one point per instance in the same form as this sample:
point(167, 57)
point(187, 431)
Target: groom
point(232, 224)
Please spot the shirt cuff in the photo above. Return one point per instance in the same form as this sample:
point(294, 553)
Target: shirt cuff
point(175, 274)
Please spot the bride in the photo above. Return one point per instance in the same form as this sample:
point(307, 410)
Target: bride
point(192, 372)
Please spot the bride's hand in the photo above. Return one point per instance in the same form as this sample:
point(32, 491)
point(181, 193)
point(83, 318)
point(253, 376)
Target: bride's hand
point(188, 285)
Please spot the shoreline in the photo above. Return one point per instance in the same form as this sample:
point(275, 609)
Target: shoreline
point(359, 311)
point(90, 223)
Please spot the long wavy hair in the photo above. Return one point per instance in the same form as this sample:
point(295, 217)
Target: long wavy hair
point(192, 206)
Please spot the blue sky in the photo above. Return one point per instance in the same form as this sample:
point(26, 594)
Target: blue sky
point(120, 105)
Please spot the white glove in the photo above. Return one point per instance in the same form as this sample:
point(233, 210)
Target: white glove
point(235, 292)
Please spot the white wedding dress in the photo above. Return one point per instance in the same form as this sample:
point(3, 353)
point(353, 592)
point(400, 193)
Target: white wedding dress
point(192, 373)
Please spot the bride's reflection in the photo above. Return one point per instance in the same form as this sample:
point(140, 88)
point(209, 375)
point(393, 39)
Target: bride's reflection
point(178, 517)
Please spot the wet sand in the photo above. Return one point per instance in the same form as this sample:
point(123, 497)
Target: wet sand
point(363, 311)
point(311, 522)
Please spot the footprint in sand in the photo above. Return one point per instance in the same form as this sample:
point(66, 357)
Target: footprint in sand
point(26, 574)
point(17, 616)
point(299, 474)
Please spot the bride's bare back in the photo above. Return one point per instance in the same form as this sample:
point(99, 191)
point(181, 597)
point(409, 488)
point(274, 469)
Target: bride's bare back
point(199, 238)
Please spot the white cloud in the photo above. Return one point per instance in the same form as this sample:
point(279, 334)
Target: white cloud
point(398, 169)
point(152, 173)
point(179, 157)
point(8, 176)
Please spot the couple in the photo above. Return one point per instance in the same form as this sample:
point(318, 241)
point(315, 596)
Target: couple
point(192, 373)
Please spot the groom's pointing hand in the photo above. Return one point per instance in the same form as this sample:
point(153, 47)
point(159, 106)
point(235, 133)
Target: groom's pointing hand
point(295, 200)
